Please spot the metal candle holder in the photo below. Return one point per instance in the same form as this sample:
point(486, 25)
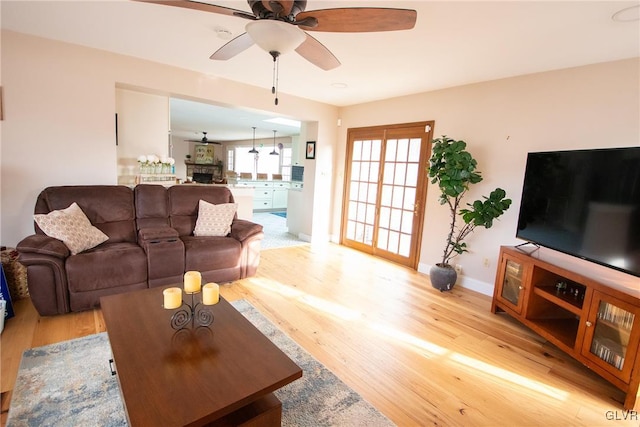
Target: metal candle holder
point(194, 313)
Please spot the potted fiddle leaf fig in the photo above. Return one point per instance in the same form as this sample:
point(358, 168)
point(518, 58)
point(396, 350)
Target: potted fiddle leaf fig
point(453, 169)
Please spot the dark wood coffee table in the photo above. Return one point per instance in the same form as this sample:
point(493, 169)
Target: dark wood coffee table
point(222, 375)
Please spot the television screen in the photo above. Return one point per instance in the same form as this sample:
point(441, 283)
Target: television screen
point(584, 203)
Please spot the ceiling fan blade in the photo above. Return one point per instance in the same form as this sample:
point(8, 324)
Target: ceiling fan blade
point(285, 6)
point(359, 20)
point(233, 47)
point(316, 53)
point(205, 7)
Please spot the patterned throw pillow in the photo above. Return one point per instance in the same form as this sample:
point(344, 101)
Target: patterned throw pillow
point(71, 226)
point(214, 220)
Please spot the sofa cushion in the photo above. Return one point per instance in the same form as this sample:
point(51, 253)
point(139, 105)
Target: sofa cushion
point(211, 253)
point(184, 202)
point(71, 226)
point(214, 220)
point(107, 266)
point(151, 206)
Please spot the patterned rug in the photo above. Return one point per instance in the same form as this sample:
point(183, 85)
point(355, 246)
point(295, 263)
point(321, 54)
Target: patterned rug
point(70, 384)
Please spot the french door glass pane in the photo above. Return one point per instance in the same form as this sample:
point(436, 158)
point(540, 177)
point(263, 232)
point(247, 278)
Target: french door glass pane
point(385, 217)
point(401, 153)
point(412, 174)
point(387, 178)
point(409, 198)
point(353, 190)
point(401, 173)
point(371, 214)
point(352, 211)
point(373, 193)
point(357, 150)
point(414, 150)
point(355, 171)
point(366, 150)
point(390, 153)
point(374, 169)
point(405, 245)
point(362, 208)
point(398, 193)
point(407, 223)
point(396, 219)
point(362, 192)
point(351, 230)
point(385, 197)
point(364, 171)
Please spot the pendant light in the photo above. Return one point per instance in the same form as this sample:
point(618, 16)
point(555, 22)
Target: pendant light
point(274, 152)
point(253, 150)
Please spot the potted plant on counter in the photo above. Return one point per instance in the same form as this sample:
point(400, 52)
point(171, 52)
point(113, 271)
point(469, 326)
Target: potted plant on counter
point(454, 170)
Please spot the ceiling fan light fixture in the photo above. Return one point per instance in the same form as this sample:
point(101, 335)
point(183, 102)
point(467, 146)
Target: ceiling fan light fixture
point(275, 36)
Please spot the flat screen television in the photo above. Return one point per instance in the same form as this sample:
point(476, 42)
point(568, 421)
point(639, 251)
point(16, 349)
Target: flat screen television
point(585, 203)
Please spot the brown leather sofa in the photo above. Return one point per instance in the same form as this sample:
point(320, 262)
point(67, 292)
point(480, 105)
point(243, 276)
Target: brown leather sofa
point(151, 243)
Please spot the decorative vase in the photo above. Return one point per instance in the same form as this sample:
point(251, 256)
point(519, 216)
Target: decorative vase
point(443, 277)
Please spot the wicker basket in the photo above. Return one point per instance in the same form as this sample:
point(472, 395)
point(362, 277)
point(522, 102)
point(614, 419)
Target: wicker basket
point(15, 273)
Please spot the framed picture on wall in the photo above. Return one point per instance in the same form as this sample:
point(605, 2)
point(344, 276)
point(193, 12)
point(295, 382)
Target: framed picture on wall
point(204, 154)
point(311, 150)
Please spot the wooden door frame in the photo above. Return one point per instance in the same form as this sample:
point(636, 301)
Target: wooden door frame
point(382, 131)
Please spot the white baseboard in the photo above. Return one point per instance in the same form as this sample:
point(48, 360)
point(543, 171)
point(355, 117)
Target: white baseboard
point(465, 282)
point(304, 237)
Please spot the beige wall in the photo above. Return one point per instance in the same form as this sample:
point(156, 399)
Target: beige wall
point(60, 101)
point(588, 107)
point(143, 129)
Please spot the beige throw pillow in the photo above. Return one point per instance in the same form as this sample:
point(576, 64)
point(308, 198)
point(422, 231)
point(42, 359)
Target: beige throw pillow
point(214, 220)
point(71, 226)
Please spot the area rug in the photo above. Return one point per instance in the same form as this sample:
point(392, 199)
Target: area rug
point(70, 384)
point(280, 214)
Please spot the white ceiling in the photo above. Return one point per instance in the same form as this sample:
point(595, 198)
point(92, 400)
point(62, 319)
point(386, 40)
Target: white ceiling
point(453, 43)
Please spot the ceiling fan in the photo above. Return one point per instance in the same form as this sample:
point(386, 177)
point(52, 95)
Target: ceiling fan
point(279, 26)
point(204, 140)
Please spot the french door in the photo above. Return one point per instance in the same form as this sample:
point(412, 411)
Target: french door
point(385, 189)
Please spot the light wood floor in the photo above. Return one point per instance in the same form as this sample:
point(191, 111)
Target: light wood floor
point(420, 356)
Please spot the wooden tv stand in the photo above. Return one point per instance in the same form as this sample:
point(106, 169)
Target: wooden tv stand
point(596, 324)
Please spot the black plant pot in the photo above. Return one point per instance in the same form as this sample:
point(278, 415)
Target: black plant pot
point(443, 277)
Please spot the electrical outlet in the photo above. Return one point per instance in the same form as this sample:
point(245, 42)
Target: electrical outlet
point(486, 262)
point(458, 269)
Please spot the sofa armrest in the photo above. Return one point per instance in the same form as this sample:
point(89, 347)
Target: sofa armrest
point(45, 258)
point(43, 245)
point(156, 234)
point(241, 229)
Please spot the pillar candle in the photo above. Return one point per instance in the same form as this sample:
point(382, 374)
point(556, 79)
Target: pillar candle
point(172, 298)
point(192, 281)
point(210, 294)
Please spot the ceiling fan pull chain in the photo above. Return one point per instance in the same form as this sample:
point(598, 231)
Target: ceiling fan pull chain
point(273, 79)
point(277, 72)
point(276, 61)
